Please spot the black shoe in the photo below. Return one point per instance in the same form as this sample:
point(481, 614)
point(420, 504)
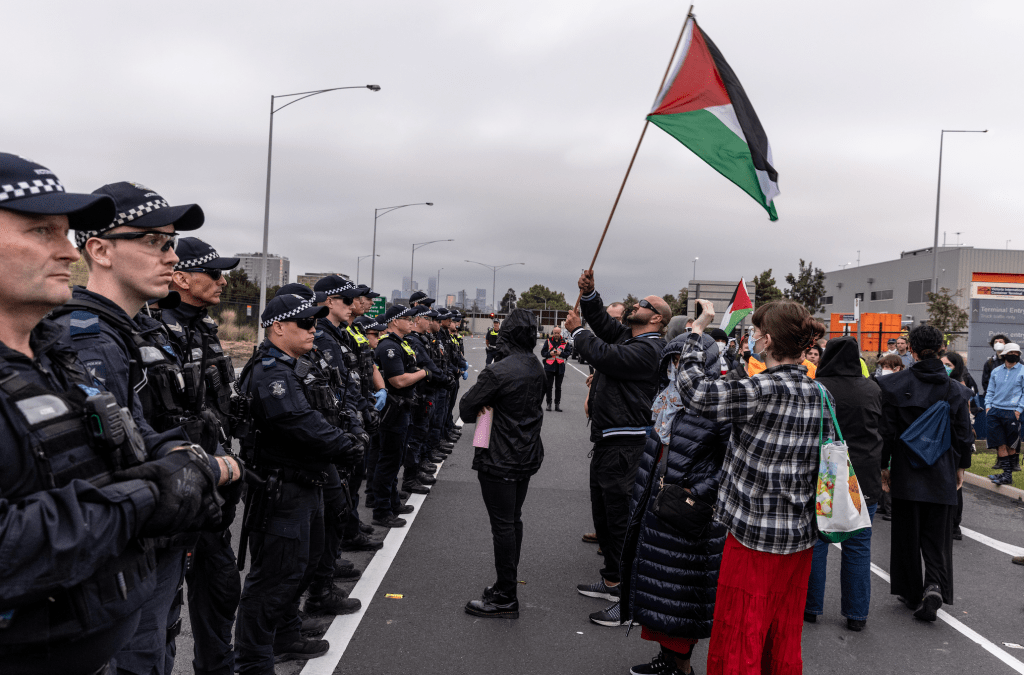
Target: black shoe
point(599, 589)
point(438, 458)
point(1016, 463)
point(330, 602)
point(425, 479)
point(609, 616)
point(302, 650)
point(403, 495)
point(347, 574)
point(886, 516)
point(494, 607)
point(549, 407)
point(360, 542)
point(343, 564)
point(418, 489)
point(810, 618)
point(657, 666)
point(428, 468)
point(404, 509)
point(558, 408)
point(856, 625)
point(929, 604)
point(315, 625)
point(447, 445)
point(368, 501)
point(958, 535)
point(390, 521)
point(366, 528)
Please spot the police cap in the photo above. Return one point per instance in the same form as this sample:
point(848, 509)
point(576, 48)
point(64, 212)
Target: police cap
point(370, 323)
point(396, 312)
point(139, 206)
point(32, 189)
point(333, 284)
point(364, 290)
point(196, 255)
point(302, 290)
point(289, 306)
point(421, 298)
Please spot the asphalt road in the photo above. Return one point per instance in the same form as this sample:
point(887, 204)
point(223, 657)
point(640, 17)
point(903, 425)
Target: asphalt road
point(445, 559)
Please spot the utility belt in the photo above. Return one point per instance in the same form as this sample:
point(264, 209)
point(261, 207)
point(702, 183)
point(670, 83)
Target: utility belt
point(307, 477)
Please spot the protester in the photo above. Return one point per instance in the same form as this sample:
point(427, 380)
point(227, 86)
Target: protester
point(902, 345)
point(1004, 402)
point(768, 486)
point(858, 408)
point(625, 359)
point(923, 499)
point(676, 327)
point(997, 342)
point(513, 388)
point(957, 370)
point(668, 578)
point(887, 365)
point(555, 352)
point(814, 355)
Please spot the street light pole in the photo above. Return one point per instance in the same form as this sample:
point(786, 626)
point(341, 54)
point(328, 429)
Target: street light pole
point(412, 263)
point(266, 205)
point(694, 261)
point(437, 287)
point(359, 260)
point(494, 279)
point(938, 198)
point(377, 213)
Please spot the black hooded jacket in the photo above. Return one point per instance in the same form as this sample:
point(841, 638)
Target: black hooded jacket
point(514, 387)
point(858, 410)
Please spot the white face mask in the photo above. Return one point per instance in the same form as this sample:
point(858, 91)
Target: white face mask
point(998, 347)
point(886, 372)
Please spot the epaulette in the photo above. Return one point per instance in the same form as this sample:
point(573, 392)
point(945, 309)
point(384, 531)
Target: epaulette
point(209, 320)
point(175, 328)
point(84, 323)
point(268, 362)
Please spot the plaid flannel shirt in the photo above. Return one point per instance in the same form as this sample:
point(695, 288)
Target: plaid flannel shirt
point(769, 479)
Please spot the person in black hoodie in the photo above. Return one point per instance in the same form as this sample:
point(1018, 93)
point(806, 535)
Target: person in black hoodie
point(513, 387)
point(859, 413)
point(923, 500)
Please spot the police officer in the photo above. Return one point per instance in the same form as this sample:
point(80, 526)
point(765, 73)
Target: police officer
point(398, 366)
point(130, 261)
point(438, 449)
point(214, 584)
point(77, 501)
point(370, 330)
point(492, 341)
point(450, 321)
point(294, 411)
point(417, 477)
point(372, 383)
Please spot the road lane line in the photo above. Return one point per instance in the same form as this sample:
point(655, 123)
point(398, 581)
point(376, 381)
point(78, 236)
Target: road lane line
point(973, 635)
point(1002, 546)
point(578, 370)
point(340, 633)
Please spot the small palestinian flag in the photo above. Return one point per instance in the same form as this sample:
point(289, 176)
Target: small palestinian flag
point(738, 308)
point(704, 107)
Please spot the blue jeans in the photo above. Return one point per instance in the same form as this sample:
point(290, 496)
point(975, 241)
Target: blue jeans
point(854, 577)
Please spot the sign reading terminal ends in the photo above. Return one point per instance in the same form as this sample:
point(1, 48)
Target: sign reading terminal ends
point(377, 308)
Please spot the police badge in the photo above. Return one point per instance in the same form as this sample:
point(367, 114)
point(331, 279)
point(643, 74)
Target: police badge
point(391, 353)
point(277, 389)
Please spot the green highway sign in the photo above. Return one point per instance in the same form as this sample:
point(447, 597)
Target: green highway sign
point(378, 307)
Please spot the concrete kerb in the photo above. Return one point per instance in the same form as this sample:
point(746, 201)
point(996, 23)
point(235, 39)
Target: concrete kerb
point(1007, 491)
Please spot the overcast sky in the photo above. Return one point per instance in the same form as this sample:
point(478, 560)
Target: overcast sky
point(518, 120)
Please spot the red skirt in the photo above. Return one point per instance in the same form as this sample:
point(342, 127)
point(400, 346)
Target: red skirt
point(679, 645)
point(759, 612)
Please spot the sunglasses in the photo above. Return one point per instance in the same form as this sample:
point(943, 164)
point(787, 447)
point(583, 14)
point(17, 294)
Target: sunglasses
point(647, 305)
point(304, 323)
point(213, 274)
point(165, 241)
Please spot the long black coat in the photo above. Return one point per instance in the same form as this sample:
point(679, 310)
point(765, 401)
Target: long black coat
point(514, 387)
point(669, 581)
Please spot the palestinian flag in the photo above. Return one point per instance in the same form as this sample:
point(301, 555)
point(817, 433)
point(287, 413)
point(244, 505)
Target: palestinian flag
point(704, 107)
point(738, 308)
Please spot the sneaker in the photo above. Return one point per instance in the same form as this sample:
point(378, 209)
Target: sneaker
point(657, 666)
point(361, 542)
point(609, 616)
point(599, 590)
point(389, 521)
point(1017, 560)
point(331, 603)
point(590, 537)
point(302, 650)
point(404, 509)
point(929, 604)
point(1002, 478)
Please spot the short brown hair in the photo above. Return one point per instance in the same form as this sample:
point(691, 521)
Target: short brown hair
point(791, 326)
point(890, 361)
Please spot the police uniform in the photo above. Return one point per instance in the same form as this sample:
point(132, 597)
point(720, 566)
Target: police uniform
point(76, 575)
point(359, 328)
point(437, 449)
point(458, 367)
point(294, 411)
point(120, 353)
point(213, 580)
point(416, 476)
point(492, 344)
point(395, 357)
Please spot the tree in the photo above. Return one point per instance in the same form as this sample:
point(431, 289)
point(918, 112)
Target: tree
point(807, 288)
point(944, 314)
point(630, 303)
point(239, 288)
point(677, 305)
point(534, 297)
point(765, 289)
point(508, 303)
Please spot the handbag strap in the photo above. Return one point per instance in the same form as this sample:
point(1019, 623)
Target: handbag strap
point(832, 414)
point(663, 464)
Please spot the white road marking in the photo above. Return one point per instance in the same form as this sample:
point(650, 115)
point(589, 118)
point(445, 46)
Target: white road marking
point(344, 627)
point(1001, 546)
point(578, 370)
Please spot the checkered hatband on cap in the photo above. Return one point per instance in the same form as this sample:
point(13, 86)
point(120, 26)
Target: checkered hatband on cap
point(25, 188)
point(122, 218)
point(340, 289)
point(304, 305)
point(197, 262)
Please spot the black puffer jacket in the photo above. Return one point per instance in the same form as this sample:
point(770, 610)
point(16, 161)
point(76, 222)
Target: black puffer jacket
point(858, 410)
point(669, 581)
point(625, 378)
point(514, 386)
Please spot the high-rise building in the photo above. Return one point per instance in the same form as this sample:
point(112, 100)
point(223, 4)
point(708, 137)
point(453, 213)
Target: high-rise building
point(449, 300)
point(407, 289)
point(460, 301)
point(481, 299)
point(278, 268)
point(432, 287)
point(310, 278)
point(395, 295)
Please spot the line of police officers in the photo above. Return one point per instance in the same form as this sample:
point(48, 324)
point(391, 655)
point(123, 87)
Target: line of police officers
point(116, 419)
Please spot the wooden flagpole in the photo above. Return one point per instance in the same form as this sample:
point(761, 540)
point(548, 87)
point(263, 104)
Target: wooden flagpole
point(615, 204)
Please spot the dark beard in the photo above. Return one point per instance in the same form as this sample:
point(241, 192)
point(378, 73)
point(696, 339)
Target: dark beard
point(633, 320)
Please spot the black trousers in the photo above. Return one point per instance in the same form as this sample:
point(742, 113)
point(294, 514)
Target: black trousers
point(336, 510)
point(372, 455)
point(921, 530)
point(612, 474)
point(393, 432)
point(214, 587)
point(556, 380)
point(504, 499)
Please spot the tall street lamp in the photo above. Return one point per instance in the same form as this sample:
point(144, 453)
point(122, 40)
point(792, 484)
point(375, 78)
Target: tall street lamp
point(266, 207)
point(494, 278)
point(412, 263)
point(359, 260)
point(938, 197)
point(437, 288)
point(694, 261)
point(377, 213)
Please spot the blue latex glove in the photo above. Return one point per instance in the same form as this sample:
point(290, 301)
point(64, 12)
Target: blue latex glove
point(465, 374)
point(382, 397)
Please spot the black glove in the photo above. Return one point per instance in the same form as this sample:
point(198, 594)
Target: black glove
point(354, 453)
point(371, 420)
point(232, 494)
point(429, 375)
point(187, 498)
